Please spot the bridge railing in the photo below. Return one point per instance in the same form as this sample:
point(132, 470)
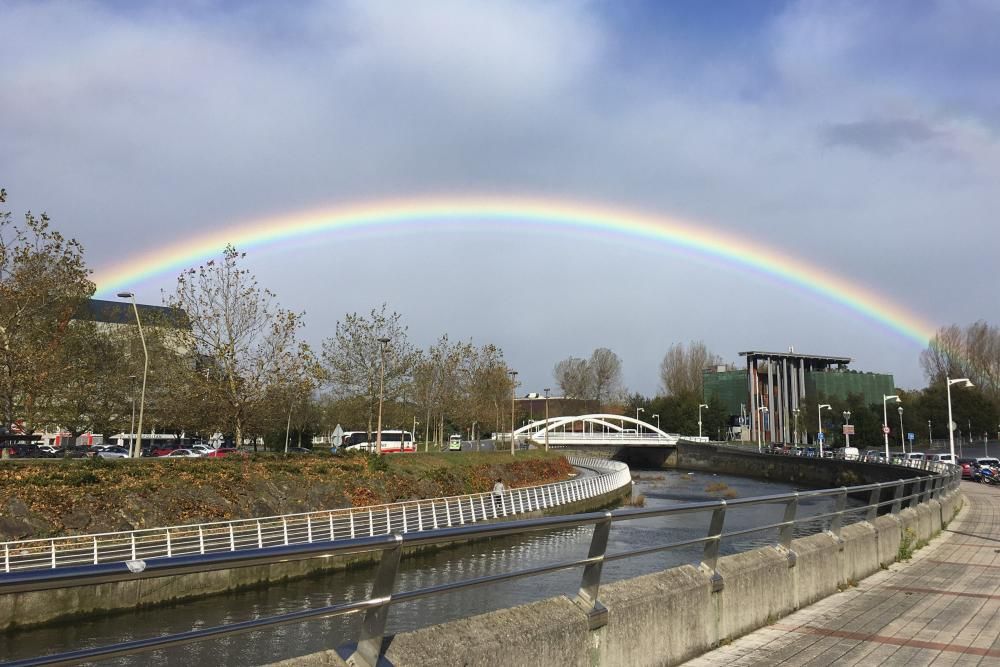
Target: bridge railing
point(309, 527)
point(376, 606)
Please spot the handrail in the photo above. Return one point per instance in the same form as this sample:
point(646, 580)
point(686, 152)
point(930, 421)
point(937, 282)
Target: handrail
point(382, 595)
point(309, 527)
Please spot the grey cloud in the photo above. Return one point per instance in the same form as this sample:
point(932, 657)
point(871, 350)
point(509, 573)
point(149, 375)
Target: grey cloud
point(883, 137)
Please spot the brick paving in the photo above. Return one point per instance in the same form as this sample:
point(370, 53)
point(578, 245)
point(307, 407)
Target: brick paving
point(940, 609)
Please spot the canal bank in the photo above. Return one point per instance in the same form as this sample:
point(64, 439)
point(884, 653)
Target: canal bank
point(35, 607)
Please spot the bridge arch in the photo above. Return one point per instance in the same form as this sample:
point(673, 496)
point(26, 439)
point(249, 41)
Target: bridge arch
point(604, 420)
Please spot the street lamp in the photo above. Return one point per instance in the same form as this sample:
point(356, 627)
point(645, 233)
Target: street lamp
point(885, 422)
point(137, 445)
point(951, 422)
point(819, 433)
point(902, 443)
point(513, 387)
point(795, 426)
point(383, 342)
point(413, 435)
point(930, 434)
point(847, 436)
point(657, 418)
point(760, 431)
point(637, 411)
point(700, 406)
point(547, 418)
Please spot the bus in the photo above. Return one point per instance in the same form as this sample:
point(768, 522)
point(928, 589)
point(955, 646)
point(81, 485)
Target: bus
point(393, 441)
point(455, 443)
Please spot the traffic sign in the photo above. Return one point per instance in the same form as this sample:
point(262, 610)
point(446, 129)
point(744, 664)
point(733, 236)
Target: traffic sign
point(820, 437)
point(848, 429)
point(953, 425)
point(338, 436)
point(885, 429)
point(911, 437)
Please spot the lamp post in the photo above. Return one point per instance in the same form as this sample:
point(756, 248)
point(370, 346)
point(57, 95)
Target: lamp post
point(819, 417)
point(547, 418)
point(847, 421)
point(760, 432)
point(657, 418)
point(381, 394)
point(137, 445)
point(513, 388)
point(885, 422)
point(902, 442)
point(951, 422)
point(637, 411)
point(700, 406)
point(795, 426)
point(131, 432)
point(413, 435)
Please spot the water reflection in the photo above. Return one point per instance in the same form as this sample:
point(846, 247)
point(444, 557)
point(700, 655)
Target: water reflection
point(660, 488)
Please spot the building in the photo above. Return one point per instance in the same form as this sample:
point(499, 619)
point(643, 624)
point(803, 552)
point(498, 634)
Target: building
point(768, 397)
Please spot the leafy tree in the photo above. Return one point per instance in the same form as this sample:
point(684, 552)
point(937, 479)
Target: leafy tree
point(573, 377)
point(245, 345)
point(43, 281)
point(353, 359)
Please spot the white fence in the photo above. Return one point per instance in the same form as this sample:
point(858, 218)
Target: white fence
point(326, 525)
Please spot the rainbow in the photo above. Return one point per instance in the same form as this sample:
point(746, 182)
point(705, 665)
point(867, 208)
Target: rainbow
point(570, 217)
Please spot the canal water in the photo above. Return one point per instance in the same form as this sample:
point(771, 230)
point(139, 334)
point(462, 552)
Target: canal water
point(660, 489)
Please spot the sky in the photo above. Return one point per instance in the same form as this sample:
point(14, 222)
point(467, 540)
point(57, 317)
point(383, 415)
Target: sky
point(861, 137)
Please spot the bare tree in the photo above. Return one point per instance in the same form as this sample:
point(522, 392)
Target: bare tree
point(605, 375)
point(574, 378)
point(682, 367)
point(244, 342)
point(973, 352)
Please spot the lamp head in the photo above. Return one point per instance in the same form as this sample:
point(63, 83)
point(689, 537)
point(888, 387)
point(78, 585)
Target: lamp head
point(126, 295)
point(703, 405)
point(900, 409)
point(825, 406)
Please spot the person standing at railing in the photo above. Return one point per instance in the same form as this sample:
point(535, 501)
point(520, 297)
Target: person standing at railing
point(498, 490)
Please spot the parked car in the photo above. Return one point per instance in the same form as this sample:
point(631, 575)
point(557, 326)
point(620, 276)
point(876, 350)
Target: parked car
point(201, 448)
point(967, 464)
point(914, 456)
point(299, 450)
point(990, 461)
point(165, 449)
point(113, 452)
point(183, 454)
point(223, 452)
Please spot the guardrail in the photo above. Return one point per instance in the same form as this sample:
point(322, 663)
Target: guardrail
point(383, 595)
point(309, 527)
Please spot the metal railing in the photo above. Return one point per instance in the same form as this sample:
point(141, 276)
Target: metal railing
point(309, 527)
point(892, 495)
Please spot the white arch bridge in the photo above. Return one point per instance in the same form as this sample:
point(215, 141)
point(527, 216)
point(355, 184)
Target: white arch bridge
point(595, 429)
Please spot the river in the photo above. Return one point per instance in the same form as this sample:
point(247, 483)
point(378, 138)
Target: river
point(660, 488)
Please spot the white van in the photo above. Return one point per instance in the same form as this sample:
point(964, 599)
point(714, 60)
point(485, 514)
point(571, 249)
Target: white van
point(455, 443)
point(849, 453)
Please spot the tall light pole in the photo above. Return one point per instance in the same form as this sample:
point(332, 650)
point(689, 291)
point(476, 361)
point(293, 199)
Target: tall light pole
point(700, 406)
point(547, 389)
point(413, 435)
point(657, 418)
point(847, 421)
point(760, 432)
point(902, 443)
point(951, 422)
point(795, 426)
point(930, 434)
point(131, 432)
point(885, 422)
point(637, 411)
point(513, 388)
point(381, 394)
point(137, 445)
point(819, 417)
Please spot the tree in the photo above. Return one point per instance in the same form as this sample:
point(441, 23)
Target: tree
point(353, 358)
point(973, 353)
point(605, 370)
point(681, 368)
point(244, 343)
point(573, 377)
point(43, 281)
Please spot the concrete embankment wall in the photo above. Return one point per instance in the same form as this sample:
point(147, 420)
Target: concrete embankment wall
point(671, 616)
point(39, 607)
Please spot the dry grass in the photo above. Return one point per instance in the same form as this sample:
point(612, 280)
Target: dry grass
point(636, 501)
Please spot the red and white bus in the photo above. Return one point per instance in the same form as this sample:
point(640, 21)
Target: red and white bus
point(393, 442)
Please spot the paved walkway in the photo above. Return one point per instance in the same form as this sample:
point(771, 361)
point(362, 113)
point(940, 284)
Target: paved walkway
point(942, 608)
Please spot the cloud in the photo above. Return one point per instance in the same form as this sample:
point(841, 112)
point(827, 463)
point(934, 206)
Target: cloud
point(881, 137)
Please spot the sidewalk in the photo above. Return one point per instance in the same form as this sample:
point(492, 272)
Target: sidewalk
point(942, 608)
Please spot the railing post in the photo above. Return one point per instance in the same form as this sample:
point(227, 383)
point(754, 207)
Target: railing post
point(406, 527)
point(260, 537)
point(232, 541)
point(351, 514)
point(838, 518)
point(874, 498)
point(201, 543)
point(369, 646)
point(787, 530)
point(371, 524)
point(388, 521)
point(284, 529)
point(330, 519)
point(586, 598)
point(6, 557)
point(53, 546)
point(447, 513)
point(915, 492)
point(710, 555)
point(897, 499)
point(309, 528)
point(95, 552)
point(133, 545)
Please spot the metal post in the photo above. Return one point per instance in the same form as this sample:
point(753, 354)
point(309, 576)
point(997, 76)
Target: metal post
point(513, 388)
point(381, 395)
point(547, 419)
point(373, 626)
point(586, 598)
point(710, 555)
point(787, 530)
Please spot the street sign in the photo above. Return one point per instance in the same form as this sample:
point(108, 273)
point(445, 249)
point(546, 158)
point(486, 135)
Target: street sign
point(911, 437)
point(338, 436)
point(820, 438)
point(848, 429)
point(953, 425)
point(885, 429)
